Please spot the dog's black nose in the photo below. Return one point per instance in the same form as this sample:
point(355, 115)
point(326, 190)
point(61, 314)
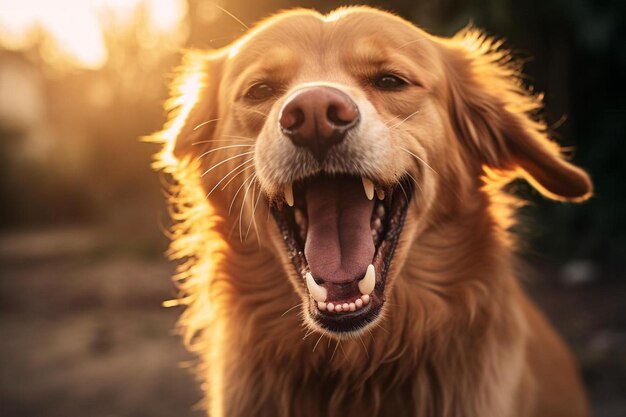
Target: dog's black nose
point(317, 118)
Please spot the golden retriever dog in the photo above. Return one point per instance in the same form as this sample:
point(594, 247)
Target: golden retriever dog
point(342, 228)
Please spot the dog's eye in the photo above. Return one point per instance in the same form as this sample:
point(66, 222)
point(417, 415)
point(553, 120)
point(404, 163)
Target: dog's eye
point(260, 92)
point(389, 82)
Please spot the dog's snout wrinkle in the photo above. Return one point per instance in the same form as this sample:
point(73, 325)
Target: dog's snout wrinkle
point(318, 118)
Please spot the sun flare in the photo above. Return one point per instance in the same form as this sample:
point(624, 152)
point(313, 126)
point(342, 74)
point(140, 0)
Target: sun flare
point(75, 30)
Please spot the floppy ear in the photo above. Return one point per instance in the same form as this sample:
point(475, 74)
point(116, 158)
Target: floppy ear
point(192, 107)
point(493, 113)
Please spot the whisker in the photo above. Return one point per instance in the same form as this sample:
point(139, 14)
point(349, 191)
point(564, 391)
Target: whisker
point(220, 140)
point(227, 175)
point(253, 219)
point(239, 173)
point(308, 333)
point(222, 148)
point(290, 309)
point(206, 123)
point(363, 343)
point(419, 159)
point(318, 340)
point(404, 120)
point(415, 181)
point(232, 229)
point(257, 111)
point(224, 161)
point(403, 191)
point(231, 15)
point(388, 122)
point(243, 204)
point(238, 137)
point(238, 190)
point(381, 327)
point(344, 352)
point(335, 350)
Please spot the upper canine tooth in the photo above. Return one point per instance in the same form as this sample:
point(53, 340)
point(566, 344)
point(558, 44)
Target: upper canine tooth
point(289, 194)
point(366, 285)
point(369, 188)
point(318, 292)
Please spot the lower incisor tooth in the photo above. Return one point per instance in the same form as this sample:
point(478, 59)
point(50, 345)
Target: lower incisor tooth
point(358, 303)
point(338, 308)
point(365, 298)
point(352, 306)
point(321, 305)
point(330, 307)
point(345, 307)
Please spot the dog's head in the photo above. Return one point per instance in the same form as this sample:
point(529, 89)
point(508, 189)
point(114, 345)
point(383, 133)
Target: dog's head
point(356, 130)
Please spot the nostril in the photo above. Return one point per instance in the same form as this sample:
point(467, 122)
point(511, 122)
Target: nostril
point(292, 119)
point(341, 115)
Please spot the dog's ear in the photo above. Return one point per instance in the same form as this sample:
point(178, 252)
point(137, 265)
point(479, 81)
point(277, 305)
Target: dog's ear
point(495, 115)
point(193, 106)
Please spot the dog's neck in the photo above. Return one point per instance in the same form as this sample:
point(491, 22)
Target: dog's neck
point(437, 308)
point(242, 301)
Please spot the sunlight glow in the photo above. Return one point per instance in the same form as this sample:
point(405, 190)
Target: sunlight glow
point(185, 94)
point(74, 29)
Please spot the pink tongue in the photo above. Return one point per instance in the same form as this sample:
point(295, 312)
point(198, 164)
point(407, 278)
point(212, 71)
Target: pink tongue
point(339, 244)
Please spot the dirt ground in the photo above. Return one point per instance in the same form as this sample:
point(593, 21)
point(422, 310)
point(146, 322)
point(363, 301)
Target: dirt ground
point(83, 333)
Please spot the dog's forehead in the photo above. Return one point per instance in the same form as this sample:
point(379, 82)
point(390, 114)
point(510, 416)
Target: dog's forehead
point(355, 35)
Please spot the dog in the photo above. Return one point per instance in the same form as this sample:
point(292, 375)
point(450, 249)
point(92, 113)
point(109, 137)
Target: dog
point(343, 226)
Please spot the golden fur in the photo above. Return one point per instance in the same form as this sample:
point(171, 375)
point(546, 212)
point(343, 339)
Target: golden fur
point(458, 337)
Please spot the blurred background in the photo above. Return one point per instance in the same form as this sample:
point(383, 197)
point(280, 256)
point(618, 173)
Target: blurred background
point(82, 272)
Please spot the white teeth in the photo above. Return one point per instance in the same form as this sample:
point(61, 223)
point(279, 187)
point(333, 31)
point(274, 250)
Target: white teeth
point(378, 224)
point(369, 188)
point(380, 193)
point(366, 285)
point(380, 210)
point(289, 194)
point(318, 292)
point(355, 305)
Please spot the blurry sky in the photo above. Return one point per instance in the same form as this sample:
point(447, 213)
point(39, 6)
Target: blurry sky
point(75, 27)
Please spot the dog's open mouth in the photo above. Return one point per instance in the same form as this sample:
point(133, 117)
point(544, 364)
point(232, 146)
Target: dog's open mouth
point(341, 233)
